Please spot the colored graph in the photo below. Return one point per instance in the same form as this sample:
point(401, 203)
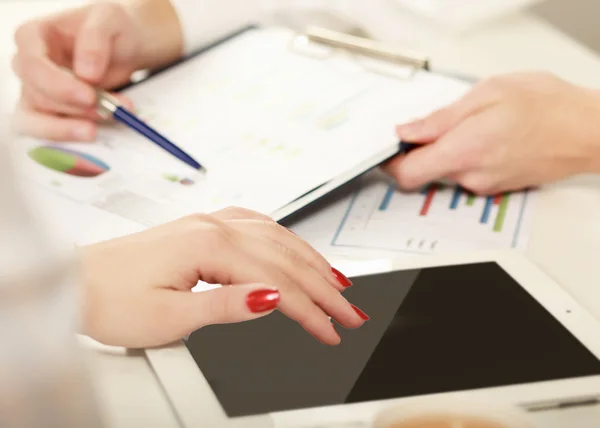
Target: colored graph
point(458, 193)
point(181, 180)
point(69, 162)
point(438, 218)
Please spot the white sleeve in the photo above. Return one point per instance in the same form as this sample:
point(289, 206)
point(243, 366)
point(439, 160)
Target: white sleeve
point(204, 21)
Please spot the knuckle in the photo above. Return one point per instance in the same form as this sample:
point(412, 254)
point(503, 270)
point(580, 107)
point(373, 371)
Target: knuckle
point(465, 161)
point(62, 91)
point(239, 212)
point(22, 33)
point(211, 233)
point(291, 256)
point(405, 178)
point(25, 64)
point(222, 306)
point(477, 184)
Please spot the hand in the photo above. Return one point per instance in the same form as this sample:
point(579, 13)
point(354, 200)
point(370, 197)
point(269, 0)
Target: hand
point(103, 44)
point(138, 288)
point(508, 133)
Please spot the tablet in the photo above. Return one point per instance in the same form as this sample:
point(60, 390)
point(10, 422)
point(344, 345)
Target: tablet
point(489, 327)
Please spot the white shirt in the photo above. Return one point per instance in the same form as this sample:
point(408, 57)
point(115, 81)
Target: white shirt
point(204, 21)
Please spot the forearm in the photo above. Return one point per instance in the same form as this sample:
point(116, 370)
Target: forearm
point(161, 31)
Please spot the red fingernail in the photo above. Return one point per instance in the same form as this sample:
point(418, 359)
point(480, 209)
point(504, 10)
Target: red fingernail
point(342, 279)
point(262, 300)
point(361, 313)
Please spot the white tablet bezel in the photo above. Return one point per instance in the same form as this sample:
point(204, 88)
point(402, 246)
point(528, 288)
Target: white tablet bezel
point(197, 405)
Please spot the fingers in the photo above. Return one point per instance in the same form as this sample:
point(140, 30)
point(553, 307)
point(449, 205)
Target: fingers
point(52, 81)
point(252, 251)
point(183, 312)
point(31, 37)
point(54, 128)
point(440, 122)
point(95, 40)
point(449, 156)
point(431, 127)
point(296, 304)
point(443, 157)
point(424, 165)
point(223, 305)
point(307, 296)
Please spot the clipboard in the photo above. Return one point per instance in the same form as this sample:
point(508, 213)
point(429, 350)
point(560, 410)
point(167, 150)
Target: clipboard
point(378, 58)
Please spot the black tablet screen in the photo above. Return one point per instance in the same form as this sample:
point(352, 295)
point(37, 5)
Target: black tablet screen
point(431, 330)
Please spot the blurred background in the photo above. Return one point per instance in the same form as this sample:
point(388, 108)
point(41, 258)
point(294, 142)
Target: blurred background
point(578, 18)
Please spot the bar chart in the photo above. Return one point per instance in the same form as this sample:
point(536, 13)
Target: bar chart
point(438, 218)
point(502, 202)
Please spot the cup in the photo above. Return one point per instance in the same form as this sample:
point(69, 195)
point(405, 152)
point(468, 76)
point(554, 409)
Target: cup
point(450, 413)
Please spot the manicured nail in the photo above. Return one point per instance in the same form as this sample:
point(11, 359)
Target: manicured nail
point(361, 313)
point(262, 300)
point(342, 279)
point(82, 133)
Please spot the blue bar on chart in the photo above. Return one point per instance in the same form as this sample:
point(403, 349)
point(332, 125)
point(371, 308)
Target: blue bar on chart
point(489, 203)
point(387, 198)
point(456, 197)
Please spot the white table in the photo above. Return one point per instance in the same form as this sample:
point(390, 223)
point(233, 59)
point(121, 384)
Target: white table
point(566, 232)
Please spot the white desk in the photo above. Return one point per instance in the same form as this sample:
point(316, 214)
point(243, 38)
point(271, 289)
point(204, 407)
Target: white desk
point(566, 232)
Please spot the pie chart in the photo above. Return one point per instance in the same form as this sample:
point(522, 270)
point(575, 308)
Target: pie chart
point(69, 162)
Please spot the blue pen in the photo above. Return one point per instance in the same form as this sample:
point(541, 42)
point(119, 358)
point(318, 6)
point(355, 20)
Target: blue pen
point(111, 105)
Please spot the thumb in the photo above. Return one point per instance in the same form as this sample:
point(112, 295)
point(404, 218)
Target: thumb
point(430, 128)
point(94, 42)
point(442, 121)
point(224, 305)
point(434, 161)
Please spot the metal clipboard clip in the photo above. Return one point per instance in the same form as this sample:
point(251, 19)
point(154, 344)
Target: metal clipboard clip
point(373, 55)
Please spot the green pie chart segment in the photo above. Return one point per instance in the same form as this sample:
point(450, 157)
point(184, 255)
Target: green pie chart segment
point(69, 162)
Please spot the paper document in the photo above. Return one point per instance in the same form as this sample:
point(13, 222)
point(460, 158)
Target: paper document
point(267, 123)
point(378, 220)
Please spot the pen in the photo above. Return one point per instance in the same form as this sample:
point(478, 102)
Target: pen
point(111, 105)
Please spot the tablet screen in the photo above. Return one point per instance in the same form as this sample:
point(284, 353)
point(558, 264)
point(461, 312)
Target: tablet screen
point(432, 330)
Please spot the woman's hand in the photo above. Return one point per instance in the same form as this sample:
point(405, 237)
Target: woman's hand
point(138, 288)
point(61, 58)
point(510, 132)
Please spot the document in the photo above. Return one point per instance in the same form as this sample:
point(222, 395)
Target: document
point(375, 219)
point(269, 125)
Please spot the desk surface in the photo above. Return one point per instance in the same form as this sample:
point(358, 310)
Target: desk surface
point(566, 233)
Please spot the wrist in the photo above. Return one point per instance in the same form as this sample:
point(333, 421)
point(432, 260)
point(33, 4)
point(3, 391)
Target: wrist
point(160, 32)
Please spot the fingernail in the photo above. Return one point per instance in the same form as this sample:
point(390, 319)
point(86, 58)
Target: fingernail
point(342, 279)
point(82, 133)
point(361, 313)
point(262, 300)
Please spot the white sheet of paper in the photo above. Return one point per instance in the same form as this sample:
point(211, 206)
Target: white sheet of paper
point(376, 221)
point(268, 124)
